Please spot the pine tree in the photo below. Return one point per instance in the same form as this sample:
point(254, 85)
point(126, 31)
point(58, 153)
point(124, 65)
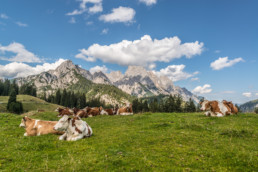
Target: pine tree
point(178, 103)
point(145, 107)
point(12, 98)
point(58, 97)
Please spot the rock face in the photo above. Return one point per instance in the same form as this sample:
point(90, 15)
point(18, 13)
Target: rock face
point(139, 82)
point(136, 81)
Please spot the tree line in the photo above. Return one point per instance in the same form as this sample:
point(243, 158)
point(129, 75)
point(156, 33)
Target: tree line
point(174, 103)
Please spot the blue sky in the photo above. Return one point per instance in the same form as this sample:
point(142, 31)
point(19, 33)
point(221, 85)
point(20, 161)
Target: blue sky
point(208, 46)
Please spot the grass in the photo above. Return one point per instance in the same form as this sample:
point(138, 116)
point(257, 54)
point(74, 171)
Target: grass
point(29, 103)
point(142, 142)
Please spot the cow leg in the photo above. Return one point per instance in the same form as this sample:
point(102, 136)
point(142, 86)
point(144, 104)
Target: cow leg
point(25, 134)
point(77, 137)
point(219, 115)
point(63, 137)
point(207, 113)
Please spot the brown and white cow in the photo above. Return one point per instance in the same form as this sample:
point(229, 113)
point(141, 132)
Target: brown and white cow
point(35, 127)
point(107, 112)
point(126, 110)
point(80, 113)
point(64, 111)
point(232, 107)
point(74, 128)
point(215, 108)
point(93, 111)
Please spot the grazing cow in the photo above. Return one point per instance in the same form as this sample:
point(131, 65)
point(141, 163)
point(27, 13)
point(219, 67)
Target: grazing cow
point(74, 128)
point(65, 111)
point(232, 107)
point(107, 112)
point(215, 108)
point(126, 110)
point(38, 127)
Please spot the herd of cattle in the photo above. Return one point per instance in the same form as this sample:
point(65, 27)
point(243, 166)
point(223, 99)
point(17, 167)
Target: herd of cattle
point(73, 128)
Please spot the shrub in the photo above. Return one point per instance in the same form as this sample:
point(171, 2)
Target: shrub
point(256, 110)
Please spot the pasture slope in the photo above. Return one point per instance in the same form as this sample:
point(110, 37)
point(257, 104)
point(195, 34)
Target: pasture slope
point(29, 103)
point(142, 142)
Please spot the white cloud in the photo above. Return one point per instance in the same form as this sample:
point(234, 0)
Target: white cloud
point(21, 54)
point(97, 7)
point(175, 72)
point(141, 52)
point(148, 2)
point(256, 94)
point(247, 94)
point(202, 89)
point(3, 16)
point(104, 31)
point(103, 69)
point(195, 79)
point(120, 14)
point(223, 62)
point(21, 24)
point(18, 69)
point(72, 20)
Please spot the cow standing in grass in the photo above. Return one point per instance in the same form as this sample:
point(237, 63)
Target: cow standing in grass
point(126, 110)
point(38, 127)
point(74, 128)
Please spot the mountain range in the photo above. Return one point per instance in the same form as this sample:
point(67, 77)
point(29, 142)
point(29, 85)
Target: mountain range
point(113, 88)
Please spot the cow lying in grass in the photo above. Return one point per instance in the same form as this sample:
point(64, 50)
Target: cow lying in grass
point(80, 113)
point(38, 127)
point(215, 108)
point(93, 111)
point(232, 107)
point(74, 128)
point(64, 111)
point(108, 112)
point(126, 110)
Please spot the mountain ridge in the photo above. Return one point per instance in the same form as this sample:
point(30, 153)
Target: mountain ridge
point(136, 81)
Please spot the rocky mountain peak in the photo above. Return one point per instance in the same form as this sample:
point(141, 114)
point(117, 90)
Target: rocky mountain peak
point(136, 70)
point(114, 76)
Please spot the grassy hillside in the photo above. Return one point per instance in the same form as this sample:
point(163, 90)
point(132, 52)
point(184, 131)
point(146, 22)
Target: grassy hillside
point(144, 142)
point(29, 103)
point(91, 89)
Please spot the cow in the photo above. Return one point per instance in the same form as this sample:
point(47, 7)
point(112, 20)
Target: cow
point(93, 111)
point(126, 110)
point(74, 128)
point(80, 113)
point(215, 108)
point(107, 112)
point(64, 111)
point(232, 107)
point(35, 127)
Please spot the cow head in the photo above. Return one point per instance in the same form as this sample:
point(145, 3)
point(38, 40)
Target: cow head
point(23, 121)
point(62, 124)
point(204, 105)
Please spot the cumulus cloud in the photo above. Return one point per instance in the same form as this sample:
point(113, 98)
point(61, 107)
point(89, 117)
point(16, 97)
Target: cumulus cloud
point(18, 69)
point(141, 52)
point(223, 62)
point(21, 54)
point(3, 16)
point(202, 89)
point(104, 31)
point(21, 24)
point(148, 2)
point(120, 14)
point(97, 7)
point(247, 94)
point(103, 69)
point(175, 72)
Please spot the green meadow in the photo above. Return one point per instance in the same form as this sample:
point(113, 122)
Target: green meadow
point(142, 142)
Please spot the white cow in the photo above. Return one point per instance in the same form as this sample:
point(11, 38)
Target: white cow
point(74, 128)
